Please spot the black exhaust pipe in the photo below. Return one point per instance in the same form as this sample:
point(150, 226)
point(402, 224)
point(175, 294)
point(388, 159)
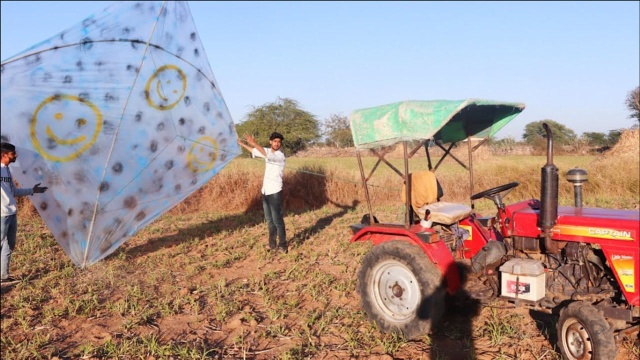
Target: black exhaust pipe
point(549, 197)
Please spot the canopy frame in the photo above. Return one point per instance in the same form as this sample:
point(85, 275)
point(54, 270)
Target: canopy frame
point(443, 130)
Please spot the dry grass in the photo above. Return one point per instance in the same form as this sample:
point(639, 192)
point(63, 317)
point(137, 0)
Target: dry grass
point(313, 183)
point(197, 283)
point(628, 146)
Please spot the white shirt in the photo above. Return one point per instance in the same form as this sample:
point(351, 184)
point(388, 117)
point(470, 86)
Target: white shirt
point(9, 190)
point(275, 160)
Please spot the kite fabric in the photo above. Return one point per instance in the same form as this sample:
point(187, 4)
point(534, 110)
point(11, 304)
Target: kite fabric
point(121, 117)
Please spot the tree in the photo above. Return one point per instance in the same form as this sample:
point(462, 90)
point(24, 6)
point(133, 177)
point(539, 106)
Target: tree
point(633, 103)
point(595, 138)
point(299, 127)
point(534, 133)
point(502, 146)
point(613, 137)
point(338, 131)
point(508, 141)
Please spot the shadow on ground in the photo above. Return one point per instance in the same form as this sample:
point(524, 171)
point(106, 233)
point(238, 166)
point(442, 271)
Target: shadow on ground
point(452, 336)
point(301, 236)
point(303, 191)
point(546, 323)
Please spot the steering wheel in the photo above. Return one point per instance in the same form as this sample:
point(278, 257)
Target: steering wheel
point(494, 193)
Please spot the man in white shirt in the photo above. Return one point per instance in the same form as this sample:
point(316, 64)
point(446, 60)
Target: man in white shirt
point(8, 220)
point(271, 186)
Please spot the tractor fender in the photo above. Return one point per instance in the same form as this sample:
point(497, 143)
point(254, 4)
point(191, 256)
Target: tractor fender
point(436, 250)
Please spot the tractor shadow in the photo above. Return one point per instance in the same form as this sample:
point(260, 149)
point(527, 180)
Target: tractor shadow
point(546, 324)
point(452, 335)
point(303, 191)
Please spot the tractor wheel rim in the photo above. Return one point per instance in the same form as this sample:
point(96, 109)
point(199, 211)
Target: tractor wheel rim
point(576, 340)
point(396, 291)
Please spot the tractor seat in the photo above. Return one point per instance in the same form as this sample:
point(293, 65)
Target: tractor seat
point(445, 213)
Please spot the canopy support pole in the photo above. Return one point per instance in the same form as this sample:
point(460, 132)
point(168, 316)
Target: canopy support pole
point(366, 188)
point(381, 157)
point(408, 215)
point(426, 149)
point(470, 169)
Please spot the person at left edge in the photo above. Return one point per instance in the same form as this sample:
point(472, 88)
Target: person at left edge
point(9, 221)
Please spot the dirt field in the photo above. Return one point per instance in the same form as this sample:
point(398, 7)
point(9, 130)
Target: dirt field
point(205, 287)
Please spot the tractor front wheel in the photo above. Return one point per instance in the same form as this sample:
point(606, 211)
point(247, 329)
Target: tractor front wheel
point(400, 288)
point(585, 334)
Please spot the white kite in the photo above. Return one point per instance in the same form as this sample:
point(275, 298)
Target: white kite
point(121, 117)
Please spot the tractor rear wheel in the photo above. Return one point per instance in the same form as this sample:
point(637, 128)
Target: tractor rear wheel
point(585, 334)
point(401, 289)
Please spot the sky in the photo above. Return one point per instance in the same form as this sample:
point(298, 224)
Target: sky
point(571, 62)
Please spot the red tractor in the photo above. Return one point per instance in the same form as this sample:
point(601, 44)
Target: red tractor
point(580, 263)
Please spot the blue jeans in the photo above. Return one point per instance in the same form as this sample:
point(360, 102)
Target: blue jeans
point(272, 205)
point(8, 227)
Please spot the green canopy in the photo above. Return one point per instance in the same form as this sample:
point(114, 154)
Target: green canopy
point(445, 120)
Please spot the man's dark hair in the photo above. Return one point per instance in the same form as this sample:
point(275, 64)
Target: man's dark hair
point(6, 147)
point(276, 135)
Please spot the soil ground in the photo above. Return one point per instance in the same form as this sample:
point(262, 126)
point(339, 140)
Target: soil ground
point(275, 312)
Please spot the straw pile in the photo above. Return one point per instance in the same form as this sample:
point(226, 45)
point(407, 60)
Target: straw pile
point(628, 147)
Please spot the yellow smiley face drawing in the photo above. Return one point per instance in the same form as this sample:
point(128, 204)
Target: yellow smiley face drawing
point(64, 126)
point(203, 154)
point(166, 87)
